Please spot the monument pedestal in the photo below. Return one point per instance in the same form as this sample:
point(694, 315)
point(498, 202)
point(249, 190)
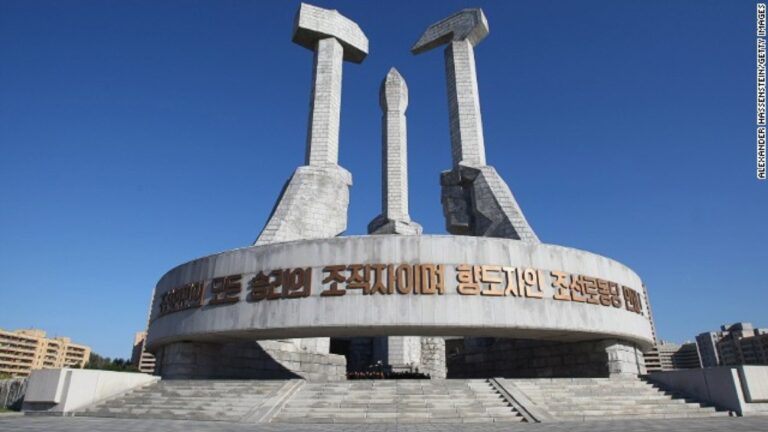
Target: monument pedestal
point(522, 358)
point(247, 360)
point(572, 313)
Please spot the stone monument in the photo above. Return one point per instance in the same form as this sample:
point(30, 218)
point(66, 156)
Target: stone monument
point(394, 217)
point(398, 353)
point(314, 202)
point(392, 296)
point(476, 201)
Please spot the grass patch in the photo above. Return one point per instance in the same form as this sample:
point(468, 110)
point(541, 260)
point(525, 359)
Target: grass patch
point(6, 410)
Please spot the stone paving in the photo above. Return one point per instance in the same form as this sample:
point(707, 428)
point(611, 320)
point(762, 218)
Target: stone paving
point(77, 424)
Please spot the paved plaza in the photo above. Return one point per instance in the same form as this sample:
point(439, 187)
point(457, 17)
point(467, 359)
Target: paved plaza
point(75, 424)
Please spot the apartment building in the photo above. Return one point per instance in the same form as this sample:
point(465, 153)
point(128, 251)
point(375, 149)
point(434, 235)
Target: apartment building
point(22, 351)
point(140, 357)
point(666, 356)
point(734, 344)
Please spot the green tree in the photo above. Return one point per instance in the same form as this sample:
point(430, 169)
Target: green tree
point(96, 361)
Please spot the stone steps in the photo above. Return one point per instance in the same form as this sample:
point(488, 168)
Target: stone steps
point(589, 399)
point(399, 401)
point(406, 401)
point(208, 400)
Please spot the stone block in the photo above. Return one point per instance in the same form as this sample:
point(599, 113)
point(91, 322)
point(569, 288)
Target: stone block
point(476, 201)
point(313, 23)
point(312, 205)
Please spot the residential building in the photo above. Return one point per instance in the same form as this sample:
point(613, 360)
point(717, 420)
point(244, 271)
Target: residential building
point(706, 343)
point(140, 357)
point(22, 351)
point(734, 344)
point(687, 357)
point(665, 356)
point(650, 314)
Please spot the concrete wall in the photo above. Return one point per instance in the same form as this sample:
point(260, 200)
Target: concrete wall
point(61, 391)
point(12, 392)
point(356, 314)
point(725, 387)
point(432, 361)
point(754, 382)
point(247, 360)
point(519, 358)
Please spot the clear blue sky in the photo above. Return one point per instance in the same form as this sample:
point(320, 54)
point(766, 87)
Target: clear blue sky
point(137, 135)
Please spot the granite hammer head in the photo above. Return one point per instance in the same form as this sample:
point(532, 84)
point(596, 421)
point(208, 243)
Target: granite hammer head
point(313, 23)
point(468, 24)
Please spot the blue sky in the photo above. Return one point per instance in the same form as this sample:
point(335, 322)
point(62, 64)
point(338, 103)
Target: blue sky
point(137, 135)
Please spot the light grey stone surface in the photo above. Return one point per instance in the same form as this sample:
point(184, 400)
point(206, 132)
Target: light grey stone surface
point(531, 412)
point(466, 122)
point(333, 38)
point(602, 399)
point(356, 314)
point(461, 31)
point(325, 109)
point(395, 218)
point(754, 380)
point(274, 403)
point(244, 401)
point(297, 401)
point(520, 358)
point(79, 424)
point(432, 361)
point(401, 352)
point(312, 205)
point(466, 25)
point(398, 401)
point(314, 202)
point(62, 391)
point(314, 23)
point(48, 386)
point(271, 359)
point(476, 201)
point(727, 387)
point(624, 359)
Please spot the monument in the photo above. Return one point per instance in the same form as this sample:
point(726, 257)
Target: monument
point(314, 202)
point(275, 309)
point(476, 201)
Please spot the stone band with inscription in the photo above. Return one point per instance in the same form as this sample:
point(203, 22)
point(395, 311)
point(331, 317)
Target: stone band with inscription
point(400, 285)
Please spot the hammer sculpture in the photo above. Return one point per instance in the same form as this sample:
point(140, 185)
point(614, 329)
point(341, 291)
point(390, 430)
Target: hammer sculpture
point(476, 200)
point(314, 202)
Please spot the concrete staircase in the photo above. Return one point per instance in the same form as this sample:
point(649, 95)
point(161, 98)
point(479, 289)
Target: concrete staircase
point(213, 400)
point(398, 401)
point(589, 399)
point(401, 401)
